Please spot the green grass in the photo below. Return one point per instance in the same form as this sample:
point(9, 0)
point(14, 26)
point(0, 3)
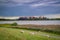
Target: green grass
point(15, 34)
point(5, 25)
point(55, 29)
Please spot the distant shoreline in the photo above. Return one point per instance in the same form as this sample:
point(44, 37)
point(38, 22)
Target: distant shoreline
point(24, 20)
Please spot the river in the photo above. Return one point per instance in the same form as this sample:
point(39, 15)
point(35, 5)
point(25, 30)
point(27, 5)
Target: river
point(41, 22)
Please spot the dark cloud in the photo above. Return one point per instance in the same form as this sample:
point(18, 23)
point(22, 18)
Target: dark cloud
point(30, 2)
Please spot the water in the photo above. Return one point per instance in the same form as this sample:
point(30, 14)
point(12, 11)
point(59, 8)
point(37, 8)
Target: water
point(45, 22)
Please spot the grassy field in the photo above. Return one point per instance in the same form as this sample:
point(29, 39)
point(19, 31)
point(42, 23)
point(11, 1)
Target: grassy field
point(29, 32)
point(16, 34)
point(44, 28)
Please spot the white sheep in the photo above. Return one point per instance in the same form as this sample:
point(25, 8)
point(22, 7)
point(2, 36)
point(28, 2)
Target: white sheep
point(22, 31)
point(32, 33)
point(48, 36)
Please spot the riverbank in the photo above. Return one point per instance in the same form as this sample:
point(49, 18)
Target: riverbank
point(55, 29)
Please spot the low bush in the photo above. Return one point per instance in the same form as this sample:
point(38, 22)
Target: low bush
point(14, 24)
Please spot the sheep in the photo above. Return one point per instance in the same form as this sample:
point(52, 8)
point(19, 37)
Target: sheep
point(48, 36)
point(32, 33)
point(22, 31)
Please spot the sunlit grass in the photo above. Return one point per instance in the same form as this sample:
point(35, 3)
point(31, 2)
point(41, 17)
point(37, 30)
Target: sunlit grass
point(15, 34)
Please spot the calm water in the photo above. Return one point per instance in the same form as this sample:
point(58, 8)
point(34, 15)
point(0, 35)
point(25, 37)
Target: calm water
point(45, 22)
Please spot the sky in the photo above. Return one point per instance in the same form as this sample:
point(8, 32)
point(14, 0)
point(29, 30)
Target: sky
point(30, 8)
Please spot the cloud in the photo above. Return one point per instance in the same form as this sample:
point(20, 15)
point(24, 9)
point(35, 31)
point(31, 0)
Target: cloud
point(53, 16)
point(47, 3)
point(39, 4)
point(14, 2)
point(31, 3)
